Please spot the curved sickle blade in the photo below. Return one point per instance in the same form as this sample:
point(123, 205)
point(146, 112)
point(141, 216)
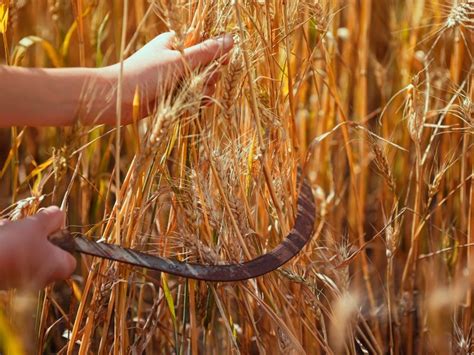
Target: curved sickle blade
point(286, 250)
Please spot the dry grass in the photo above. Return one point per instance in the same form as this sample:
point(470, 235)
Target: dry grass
point(373, 98)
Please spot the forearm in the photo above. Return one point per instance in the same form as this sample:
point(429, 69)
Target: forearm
point(56, 97)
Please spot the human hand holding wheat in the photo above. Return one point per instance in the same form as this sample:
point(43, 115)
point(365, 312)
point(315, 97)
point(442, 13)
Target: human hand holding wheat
point(156, 68)
point(91, 94)
point(27, 258)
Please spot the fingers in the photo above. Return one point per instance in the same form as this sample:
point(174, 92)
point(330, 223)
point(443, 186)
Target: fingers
point(36, 261)
point(63, 265)
point(157, 68)
point(209, 91)
point(204, 53)
point(49, 219)
point(164, 40)
point(213, 78)
point(44, 223)
point(49, 264)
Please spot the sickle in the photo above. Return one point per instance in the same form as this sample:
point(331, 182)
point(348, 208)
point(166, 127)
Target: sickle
point(286, 250)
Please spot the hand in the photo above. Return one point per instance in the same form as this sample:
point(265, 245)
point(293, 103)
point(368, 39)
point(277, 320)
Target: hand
point(89, 93)
point(156, 67)
point(27, 258)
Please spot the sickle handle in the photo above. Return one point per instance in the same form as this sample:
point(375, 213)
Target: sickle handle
point(64, 240)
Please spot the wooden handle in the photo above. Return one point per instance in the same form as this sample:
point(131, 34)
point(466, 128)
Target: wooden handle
point(63, 239)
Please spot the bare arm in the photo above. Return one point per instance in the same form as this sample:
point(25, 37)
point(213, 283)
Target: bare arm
point(46, 97)
point(58, 97)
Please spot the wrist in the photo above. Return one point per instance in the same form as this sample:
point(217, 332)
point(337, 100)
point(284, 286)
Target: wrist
point(109, 77)
point(97, 99)
point(74, 94)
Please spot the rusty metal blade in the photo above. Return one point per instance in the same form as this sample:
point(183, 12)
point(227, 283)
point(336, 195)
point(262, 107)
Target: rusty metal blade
point(286, 250)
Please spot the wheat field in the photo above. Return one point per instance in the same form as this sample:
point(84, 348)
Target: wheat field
point(371, 99)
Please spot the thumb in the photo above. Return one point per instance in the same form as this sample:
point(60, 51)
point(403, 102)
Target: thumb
point(159, 43)
point(63, 266)
point(49, 219)
point(164, 40)
point(203, 53)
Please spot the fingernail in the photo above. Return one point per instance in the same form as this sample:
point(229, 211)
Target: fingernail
point(226, 41)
